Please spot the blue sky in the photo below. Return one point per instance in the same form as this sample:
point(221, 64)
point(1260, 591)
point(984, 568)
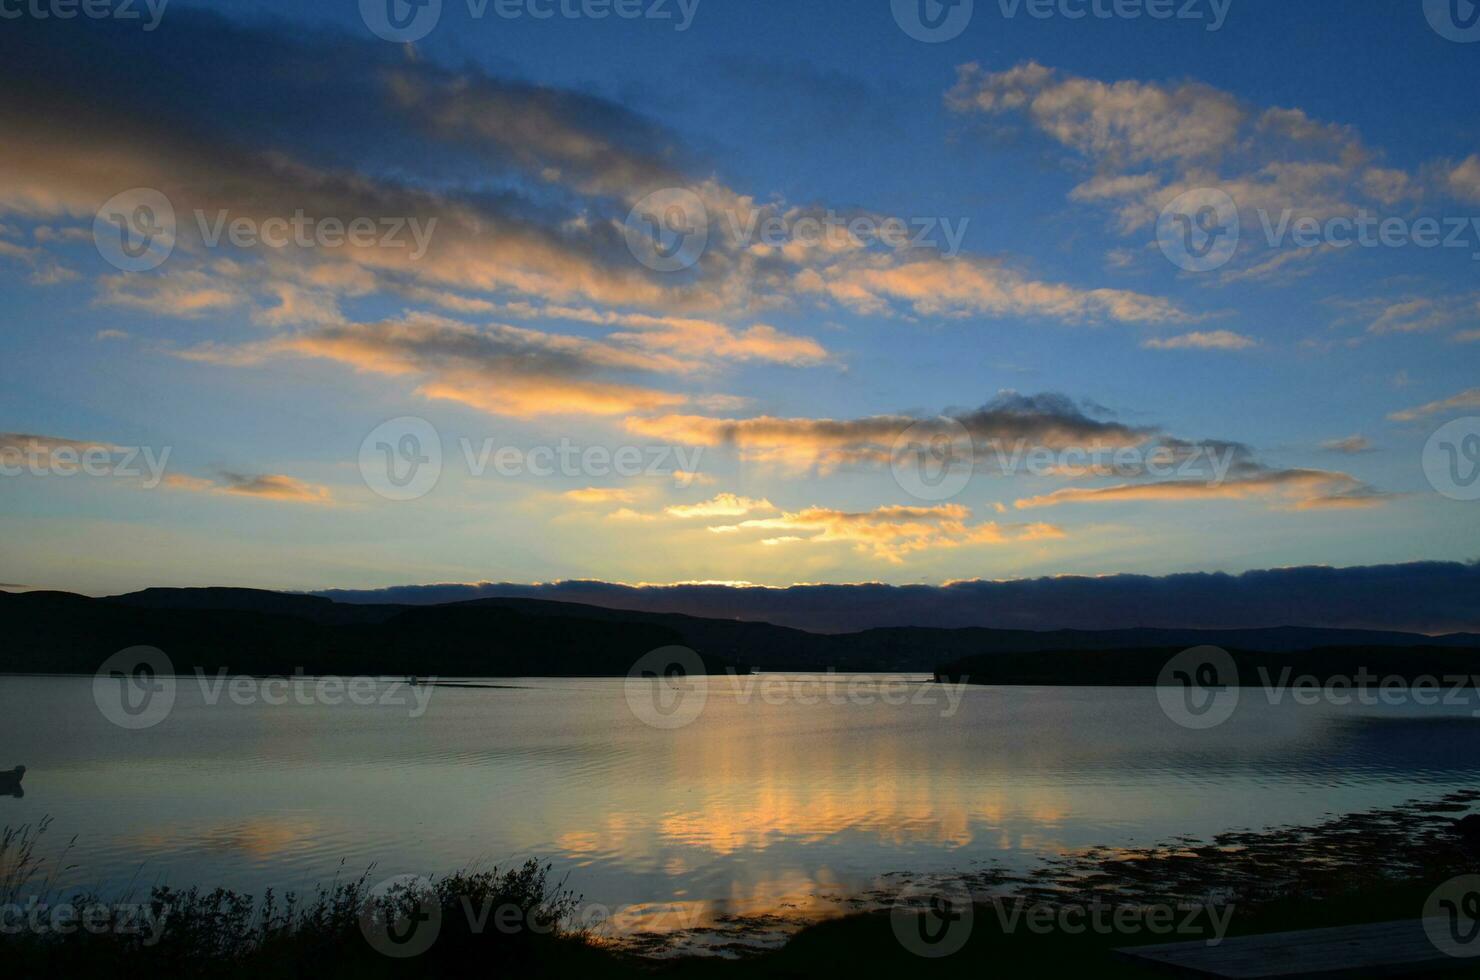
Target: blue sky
point(800, 376)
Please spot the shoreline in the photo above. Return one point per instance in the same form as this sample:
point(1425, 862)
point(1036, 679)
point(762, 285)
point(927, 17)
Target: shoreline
point(1364, 866)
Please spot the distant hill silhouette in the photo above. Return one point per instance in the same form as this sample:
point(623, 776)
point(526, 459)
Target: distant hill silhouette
point(1419, 596)
point(261, 632)
point(251, 632)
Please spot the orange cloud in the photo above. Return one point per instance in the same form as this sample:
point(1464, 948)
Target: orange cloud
point(695, 339)
point(499, 369)
point(1294, 489)
point(527, 398)
point(268, 486)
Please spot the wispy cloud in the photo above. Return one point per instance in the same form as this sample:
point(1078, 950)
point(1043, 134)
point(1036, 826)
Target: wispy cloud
point(1423, 313)
point(962, 287)
point(1350, 445)
point(720, 505)
point(1149, 141)
point(699, 342)
point(1283, 489)
point(45, 268)
point(1225, 340)
point(266, 486)
point(1469, 398)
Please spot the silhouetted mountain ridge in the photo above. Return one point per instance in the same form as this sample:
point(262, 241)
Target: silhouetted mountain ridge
point(1428, 597)
point(259, 631)
point(249, 632)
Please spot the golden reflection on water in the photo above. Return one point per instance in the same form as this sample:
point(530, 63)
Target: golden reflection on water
point(261, 837)
point(752, 912)
point(783, 812)
point(753, 790)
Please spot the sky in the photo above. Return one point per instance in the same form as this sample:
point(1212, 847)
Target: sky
point(776, 293)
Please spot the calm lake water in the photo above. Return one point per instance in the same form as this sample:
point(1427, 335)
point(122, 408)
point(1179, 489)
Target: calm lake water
point(764, 803)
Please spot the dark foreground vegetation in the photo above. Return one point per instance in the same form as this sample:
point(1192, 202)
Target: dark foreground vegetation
point(249, 631)
point(1366, 867)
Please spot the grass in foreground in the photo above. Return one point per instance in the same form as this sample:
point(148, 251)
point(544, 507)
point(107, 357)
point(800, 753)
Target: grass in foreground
point(1366, 867)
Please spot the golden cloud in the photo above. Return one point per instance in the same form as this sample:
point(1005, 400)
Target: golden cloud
point(892, 532)
point(1292, 489)
point(267, 486)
